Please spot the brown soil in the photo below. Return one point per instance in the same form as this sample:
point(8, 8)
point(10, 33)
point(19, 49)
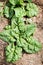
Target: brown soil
point(3, 23)
point(30, 59)
point(27, 59)
point(39, 2)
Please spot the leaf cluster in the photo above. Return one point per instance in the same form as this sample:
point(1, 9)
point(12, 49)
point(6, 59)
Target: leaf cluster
point(20, 8)
point(18, 34)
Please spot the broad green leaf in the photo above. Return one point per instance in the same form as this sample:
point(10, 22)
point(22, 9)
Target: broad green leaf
point(16, 2)
point(7, 36)
point(13, 53)
point(13, 22)
point(17, 54)
point(21, 25)
point(9, 52)
point(29, 44)
point(8, 12)
point(35, 43)
point(18, 22)
point(13, 2)
point(20, 12)
point(29, 31)
point(32, 10)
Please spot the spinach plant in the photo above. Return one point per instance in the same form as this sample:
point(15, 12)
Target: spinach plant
point(18, 34)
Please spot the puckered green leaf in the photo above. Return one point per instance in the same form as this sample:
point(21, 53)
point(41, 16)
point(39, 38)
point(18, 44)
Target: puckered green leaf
point(10, 52)
point(17, 54)
point(32, 10)
point(9, 34)
point(20, 12)
point(7, 37)
point(29, 31)
point(35, 43)
point(8, 12)
point(14, 22)
point(18, 22)
point(15, 2)
point(11, 11)
point(13, 53)
point(21, 25)
point(20, 1)
point(30, 45)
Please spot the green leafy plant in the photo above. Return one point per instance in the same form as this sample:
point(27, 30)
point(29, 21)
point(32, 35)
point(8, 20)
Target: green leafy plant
point(18, 34)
